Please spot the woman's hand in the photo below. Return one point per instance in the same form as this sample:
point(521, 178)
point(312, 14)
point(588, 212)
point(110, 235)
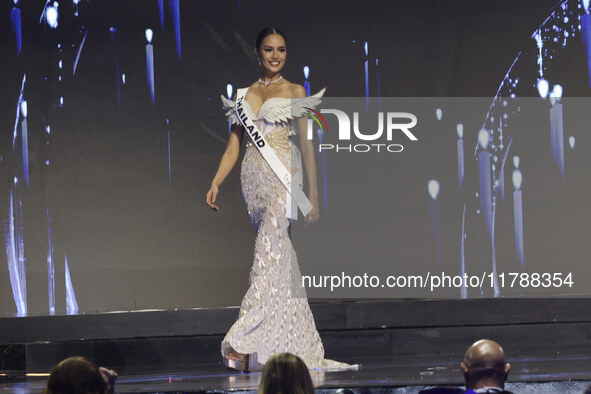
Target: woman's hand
point(110, 377)
point(226, 163)
point(314, 214)
point(211, 197)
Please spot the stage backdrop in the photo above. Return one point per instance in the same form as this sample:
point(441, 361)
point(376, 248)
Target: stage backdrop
point(111, 130)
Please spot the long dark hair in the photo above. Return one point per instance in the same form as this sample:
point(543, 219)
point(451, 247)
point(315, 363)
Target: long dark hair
point(267, 31)
point(285, 373)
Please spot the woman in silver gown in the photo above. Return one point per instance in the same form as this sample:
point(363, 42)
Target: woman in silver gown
point(275, 316)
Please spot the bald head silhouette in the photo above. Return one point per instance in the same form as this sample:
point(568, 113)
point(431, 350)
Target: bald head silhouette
point(484, 365)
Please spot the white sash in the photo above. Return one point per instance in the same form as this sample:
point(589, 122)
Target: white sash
point(258, 140)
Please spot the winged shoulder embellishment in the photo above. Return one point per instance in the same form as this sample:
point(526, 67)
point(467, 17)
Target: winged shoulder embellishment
point(229, 110)
point(299, 106)
point(286, 109)
point(276, 109)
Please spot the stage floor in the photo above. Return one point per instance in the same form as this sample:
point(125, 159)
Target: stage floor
point(407, 374)
point(402, 346)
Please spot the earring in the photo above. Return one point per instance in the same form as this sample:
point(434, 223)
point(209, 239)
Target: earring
point(259, 59)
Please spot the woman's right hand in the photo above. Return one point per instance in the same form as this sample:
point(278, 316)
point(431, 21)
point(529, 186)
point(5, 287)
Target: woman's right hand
point(211, 197)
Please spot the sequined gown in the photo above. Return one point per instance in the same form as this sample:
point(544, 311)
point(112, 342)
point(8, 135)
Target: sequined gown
point(275, 316)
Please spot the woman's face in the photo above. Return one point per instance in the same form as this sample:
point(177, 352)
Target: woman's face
point(272, 53)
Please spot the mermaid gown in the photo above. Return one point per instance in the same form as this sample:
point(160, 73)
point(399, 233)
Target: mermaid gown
point(275, 316)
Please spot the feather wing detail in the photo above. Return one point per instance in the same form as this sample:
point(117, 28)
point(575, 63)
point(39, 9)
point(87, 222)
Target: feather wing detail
point(229, 110)
point(286, 109)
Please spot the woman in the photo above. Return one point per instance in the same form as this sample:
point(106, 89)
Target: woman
point(274, 316)
point(285, 373)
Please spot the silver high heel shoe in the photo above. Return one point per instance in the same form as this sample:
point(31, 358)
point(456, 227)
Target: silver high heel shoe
point(242, 364)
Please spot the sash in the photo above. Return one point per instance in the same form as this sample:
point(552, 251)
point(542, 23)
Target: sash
point(258, 140)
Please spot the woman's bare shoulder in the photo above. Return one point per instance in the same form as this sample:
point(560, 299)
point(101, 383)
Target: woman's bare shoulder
point(297, 90)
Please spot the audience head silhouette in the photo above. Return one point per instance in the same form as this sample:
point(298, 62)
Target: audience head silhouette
point(285, 373)
point(484, 365)
point(76, 375)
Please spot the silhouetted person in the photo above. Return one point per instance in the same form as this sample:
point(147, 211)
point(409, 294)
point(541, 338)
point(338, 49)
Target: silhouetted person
point(285, 373)
point(77, 375)
point(484, 368)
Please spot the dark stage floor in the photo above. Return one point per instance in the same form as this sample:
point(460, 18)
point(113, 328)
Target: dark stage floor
point(403, 346)
point(395, 375)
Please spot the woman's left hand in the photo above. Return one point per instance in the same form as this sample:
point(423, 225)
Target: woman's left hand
point(314, 214)
point(110, 377)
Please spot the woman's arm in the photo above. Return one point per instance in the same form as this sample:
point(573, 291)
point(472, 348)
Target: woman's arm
point(226, 164)
point(309, 158)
